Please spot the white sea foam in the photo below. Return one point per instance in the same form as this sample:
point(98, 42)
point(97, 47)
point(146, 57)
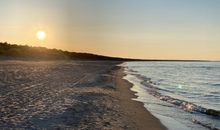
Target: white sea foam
point(182, 92)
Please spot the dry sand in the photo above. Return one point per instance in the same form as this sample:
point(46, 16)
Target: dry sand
point(87, 95)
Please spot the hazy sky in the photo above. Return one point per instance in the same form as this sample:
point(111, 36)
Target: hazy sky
point(157, 29)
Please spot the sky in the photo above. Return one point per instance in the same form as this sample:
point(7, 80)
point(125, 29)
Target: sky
point(147, 29)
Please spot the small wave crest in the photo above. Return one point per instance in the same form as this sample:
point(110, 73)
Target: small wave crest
point(178, 96)
point(185, 105)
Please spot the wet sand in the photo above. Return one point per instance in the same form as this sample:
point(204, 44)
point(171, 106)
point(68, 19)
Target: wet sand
point(136, 114)
point(69, 95)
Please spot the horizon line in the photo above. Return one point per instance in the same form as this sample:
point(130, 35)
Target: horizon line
point(125, 58)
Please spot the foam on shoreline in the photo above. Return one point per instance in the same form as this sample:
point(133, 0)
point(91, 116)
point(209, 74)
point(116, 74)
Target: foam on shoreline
point(143, 84)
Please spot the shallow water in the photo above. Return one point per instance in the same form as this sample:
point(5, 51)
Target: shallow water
point(178, 93)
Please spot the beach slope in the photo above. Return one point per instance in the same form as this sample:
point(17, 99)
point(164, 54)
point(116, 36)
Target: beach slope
point(69, 95)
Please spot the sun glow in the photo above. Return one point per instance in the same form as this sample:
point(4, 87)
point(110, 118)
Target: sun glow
point(41, 35)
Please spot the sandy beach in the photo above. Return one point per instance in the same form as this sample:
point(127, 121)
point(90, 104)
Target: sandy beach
point(69, 95)
point(137, 117)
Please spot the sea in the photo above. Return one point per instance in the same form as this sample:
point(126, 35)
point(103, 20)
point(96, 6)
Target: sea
point(182, 95)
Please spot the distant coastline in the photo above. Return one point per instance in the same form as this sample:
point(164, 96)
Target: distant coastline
point(24, 52)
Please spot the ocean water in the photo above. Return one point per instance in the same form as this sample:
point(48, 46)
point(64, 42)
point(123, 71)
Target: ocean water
point(183, 95)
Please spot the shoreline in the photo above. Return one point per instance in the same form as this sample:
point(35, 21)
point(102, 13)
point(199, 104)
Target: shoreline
point(134, 110)
point(160, 95)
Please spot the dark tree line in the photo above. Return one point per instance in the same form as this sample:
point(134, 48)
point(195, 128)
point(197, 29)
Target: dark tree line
point(14, 51)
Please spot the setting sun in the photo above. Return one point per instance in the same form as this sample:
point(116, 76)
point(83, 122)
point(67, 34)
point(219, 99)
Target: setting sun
point(81, 64)
point(41, 35)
